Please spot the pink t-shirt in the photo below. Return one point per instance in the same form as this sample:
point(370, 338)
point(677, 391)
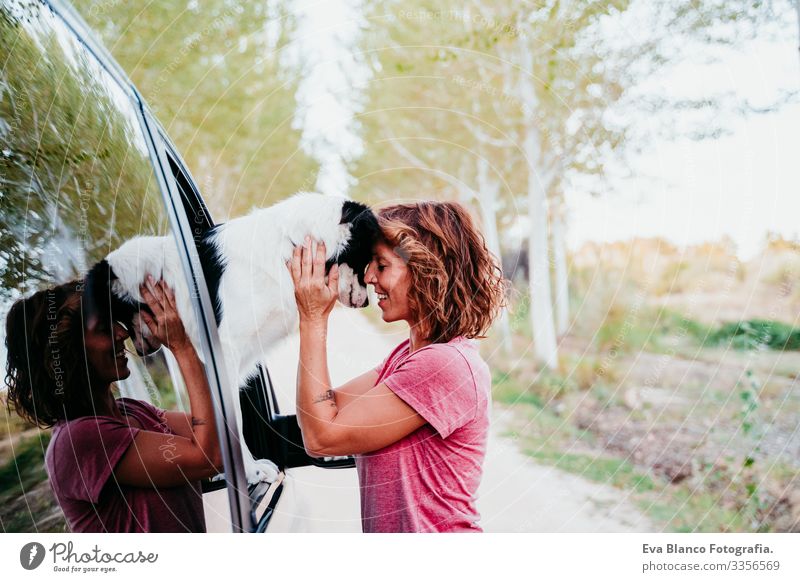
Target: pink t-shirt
point(427, 481)
point(80, 462)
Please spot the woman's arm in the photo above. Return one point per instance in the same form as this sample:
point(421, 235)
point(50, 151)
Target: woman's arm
point(368, 422)
point(315, 301)
point(179, 422)
point(165, 460)
point(348, 393)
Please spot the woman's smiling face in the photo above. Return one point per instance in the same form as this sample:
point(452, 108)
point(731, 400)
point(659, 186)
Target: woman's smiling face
point(388, 274)
point(105, 352)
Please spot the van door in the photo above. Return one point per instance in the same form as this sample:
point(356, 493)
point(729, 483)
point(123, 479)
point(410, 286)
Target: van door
point(76, 170)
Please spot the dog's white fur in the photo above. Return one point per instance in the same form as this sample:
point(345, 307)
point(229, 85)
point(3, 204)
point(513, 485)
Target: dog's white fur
point(256, 292)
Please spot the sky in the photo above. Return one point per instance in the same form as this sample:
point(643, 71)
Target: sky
point(333, 73)
point(741, 185)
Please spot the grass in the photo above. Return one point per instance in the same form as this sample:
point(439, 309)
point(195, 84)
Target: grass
point(627, 326)
point(26, 501)
point(26, 468)
point(617, 472)
point(683, 510)
point(508, 390)
point(673, 507)
point(539, 391)
point(756, 334)
point(713, 499)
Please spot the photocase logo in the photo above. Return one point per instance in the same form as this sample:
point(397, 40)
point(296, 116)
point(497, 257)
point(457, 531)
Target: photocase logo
point(31, 555)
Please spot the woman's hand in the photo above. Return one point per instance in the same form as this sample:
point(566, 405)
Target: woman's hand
point(315, 298)
point(165, 324)
point(192, 451)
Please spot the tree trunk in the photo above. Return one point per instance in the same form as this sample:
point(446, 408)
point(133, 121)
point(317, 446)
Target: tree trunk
point(544, 333)
point(560, 272)
point(487, 199)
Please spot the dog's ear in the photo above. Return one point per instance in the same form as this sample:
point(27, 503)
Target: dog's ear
point(99, 298)
point(97, 290)
point(364, 233)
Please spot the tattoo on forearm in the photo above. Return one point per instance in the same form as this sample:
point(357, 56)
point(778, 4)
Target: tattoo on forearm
point(325, 396)
point(197, 421)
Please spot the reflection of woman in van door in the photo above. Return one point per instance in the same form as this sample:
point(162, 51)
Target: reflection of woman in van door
point(417, 423)
point(116, 465)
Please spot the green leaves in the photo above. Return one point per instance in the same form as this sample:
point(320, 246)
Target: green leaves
point(756, 334)
point(212, 77)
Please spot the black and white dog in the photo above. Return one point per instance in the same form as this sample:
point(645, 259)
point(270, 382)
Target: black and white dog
point(244, 262)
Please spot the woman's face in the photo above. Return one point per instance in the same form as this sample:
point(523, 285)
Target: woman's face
point(105, 350)
point(388, 274)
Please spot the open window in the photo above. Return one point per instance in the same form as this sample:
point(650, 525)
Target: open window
point(269, 434)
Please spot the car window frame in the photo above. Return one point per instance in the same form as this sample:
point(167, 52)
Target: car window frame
point(215, 368)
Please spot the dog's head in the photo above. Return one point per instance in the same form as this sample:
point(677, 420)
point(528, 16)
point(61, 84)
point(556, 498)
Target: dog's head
point(103, 301)
point(356, 253)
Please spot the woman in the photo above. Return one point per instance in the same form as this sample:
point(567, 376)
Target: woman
point(115, 465)
point(417, 423)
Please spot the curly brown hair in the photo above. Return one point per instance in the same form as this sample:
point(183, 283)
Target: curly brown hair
point(46, 367)
point(457, 286)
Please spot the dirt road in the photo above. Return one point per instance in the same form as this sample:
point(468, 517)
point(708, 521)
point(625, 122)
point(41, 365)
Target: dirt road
point(516, 495)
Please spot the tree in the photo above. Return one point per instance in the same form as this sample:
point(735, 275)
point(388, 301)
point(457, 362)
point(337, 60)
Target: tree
point(428, 134)
point(75, 176)
point(549, 93)
point(210, 71)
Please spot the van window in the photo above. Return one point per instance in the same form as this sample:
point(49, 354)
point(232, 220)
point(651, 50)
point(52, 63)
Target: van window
point(76, 178)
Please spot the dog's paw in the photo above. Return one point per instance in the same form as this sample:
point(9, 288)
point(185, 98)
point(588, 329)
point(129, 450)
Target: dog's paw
point(261, 470)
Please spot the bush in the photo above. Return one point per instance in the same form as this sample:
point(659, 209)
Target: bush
point(755, 334)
